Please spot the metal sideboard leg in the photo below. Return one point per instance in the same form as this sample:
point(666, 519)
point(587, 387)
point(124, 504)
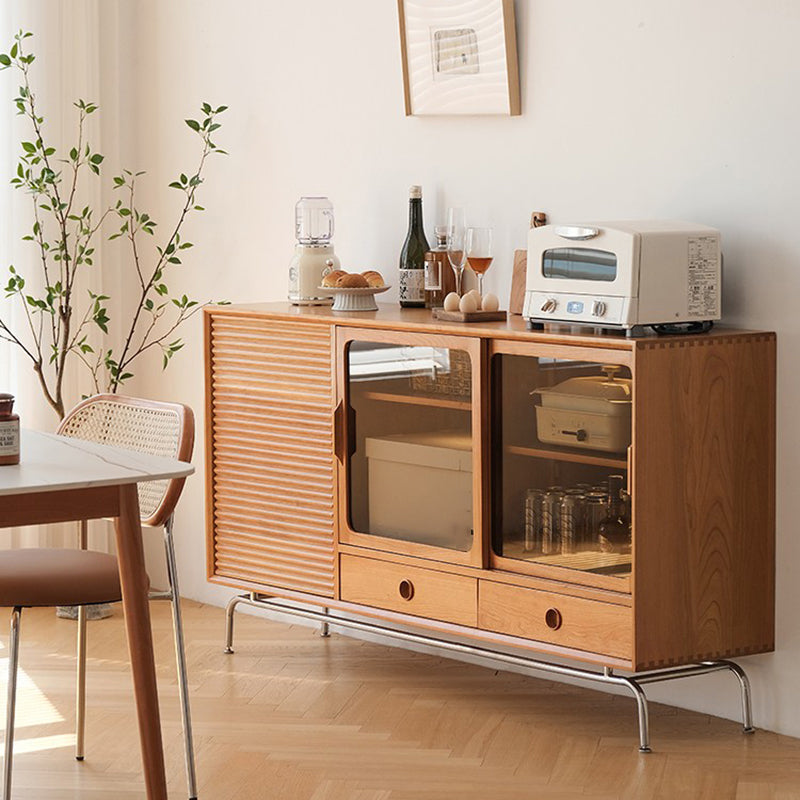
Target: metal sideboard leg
point(251, 599)
point(324, 628)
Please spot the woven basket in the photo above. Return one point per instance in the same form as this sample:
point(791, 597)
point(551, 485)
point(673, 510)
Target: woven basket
point(455, 382)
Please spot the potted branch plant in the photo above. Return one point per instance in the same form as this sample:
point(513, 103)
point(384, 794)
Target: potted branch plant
point(63, 321)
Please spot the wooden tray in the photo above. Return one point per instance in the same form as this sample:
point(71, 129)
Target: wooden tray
point(471, 316)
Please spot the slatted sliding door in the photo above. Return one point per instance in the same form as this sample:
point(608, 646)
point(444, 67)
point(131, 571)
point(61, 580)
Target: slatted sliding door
point(270, 470)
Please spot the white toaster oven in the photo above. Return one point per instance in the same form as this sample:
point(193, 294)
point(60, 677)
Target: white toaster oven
point(624, 274)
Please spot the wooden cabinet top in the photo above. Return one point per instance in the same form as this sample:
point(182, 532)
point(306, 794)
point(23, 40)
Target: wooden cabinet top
point(391, 317)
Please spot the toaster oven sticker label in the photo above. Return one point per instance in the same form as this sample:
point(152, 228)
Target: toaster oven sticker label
point(703, 287)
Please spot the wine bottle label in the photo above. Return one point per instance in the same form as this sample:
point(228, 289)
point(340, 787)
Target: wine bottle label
point(9, 438)
point(412, 285)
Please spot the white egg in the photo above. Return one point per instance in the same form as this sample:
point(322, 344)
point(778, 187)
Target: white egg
point(490, 302)
point(468, 303)
point(451, 302)
point(477, 295)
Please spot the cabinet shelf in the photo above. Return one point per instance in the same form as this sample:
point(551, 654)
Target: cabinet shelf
point(569, 454)
point(417, 400)
point(616, 564)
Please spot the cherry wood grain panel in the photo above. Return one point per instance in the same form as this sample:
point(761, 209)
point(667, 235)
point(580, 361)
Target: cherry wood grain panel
point(432, 594)
point(602, 628)
point(271, 474)
point(391, 317)
point(704, 506)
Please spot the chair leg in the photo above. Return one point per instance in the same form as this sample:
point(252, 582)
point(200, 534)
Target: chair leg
point(180, 658)
point(13, 663)
point(80, 695)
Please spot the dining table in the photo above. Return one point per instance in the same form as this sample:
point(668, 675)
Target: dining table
point(60, 479)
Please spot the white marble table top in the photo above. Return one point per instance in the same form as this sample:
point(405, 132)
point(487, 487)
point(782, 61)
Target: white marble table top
point(56, 463)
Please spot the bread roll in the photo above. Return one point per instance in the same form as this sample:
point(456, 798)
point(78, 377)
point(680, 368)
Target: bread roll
point(331, 278)
point(352, 282)
point(374, 278)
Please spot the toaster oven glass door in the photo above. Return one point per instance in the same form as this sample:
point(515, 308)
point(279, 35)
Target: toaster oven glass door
point(561, 430)
point(579, 263)
point(606, 265)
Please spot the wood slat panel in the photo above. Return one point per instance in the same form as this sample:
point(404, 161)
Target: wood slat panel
point(272, 475)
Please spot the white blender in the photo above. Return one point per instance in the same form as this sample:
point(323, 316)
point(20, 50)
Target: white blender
point(313, 255)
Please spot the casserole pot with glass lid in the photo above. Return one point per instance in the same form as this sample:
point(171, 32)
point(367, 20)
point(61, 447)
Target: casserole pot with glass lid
point(591, 412)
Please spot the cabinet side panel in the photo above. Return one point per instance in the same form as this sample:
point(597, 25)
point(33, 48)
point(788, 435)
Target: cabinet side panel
point(271, 453)
point(704, 505)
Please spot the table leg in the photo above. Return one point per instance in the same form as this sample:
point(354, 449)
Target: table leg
point(133, 578)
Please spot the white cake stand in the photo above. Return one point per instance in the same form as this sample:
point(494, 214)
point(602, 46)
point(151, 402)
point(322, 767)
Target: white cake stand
point(359, 299)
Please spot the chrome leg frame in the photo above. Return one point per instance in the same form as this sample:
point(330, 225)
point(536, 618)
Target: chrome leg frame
point(324, 629)
point(633, 683)
point(11, 703)
point(80, 691)
point(80, 698)
point(252, 599)
point(180, 658)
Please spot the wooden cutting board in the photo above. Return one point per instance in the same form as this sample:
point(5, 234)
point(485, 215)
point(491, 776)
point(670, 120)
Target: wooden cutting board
point(518, 277)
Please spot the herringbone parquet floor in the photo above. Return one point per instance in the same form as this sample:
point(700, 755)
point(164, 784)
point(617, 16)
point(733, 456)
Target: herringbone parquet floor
point(291, 716)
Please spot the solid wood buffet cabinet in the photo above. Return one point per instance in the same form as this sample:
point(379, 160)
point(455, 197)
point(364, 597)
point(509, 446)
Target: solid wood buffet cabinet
point(389, 465)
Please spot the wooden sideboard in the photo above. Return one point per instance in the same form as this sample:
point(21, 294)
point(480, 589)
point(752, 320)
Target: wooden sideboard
point(300, 409)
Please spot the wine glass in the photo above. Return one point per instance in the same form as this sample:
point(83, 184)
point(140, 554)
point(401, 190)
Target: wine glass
point(478, 247)
point(456, 230)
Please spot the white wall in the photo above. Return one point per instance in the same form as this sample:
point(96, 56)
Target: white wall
point(630, 109)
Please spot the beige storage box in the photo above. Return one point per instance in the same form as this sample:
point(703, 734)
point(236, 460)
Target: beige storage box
point(592, 412)
point(420, 488)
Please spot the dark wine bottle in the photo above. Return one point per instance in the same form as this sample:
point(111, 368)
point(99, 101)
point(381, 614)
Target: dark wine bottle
point(412, 256)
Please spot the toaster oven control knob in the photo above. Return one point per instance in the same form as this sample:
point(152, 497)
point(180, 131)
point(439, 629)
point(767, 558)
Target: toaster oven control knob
point(598, 308)
point(549, 305)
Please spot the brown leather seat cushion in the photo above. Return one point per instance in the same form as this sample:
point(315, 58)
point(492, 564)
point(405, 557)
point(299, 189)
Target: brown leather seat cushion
point(56, 577)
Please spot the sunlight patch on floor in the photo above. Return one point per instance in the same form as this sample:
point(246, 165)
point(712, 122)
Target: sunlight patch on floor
point(33, 706)
point(40, 743)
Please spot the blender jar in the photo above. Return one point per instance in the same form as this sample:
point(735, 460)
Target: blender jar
point(314, 221)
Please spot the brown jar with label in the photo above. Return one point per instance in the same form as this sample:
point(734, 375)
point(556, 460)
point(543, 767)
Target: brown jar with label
point(9, 431)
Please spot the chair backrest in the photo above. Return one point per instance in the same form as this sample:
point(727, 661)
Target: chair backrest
point(147, 426)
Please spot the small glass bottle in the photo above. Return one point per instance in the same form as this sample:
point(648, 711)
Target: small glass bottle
point(614, 532)
point(440, 279)
point(9, 431)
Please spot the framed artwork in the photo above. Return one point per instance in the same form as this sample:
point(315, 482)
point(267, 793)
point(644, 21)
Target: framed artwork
point(459, 57)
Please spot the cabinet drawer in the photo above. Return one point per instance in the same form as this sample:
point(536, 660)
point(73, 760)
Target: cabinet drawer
point(573, 622)
point(409, 590)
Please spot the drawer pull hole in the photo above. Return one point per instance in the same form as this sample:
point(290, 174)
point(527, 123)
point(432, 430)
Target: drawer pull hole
point(406, 590)
point(552, 618)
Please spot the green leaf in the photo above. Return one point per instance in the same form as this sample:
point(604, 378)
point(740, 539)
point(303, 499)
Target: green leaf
point(5, 60)
point(14, 50)
point(193, 124)
point(29, 147)
point(96, 159)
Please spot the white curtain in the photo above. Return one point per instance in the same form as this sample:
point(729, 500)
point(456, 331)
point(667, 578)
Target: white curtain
point(67, 67)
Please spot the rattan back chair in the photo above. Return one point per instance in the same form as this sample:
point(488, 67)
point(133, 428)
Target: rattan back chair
point(159, 429)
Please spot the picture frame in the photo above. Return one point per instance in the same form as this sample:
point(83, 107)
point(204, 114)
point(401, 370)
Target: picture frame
point(459, 57)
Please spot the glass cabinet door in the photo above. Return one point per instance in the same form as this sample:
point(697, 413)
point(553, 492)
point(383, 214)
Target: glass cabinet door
point(410, 467)
point(561, 430)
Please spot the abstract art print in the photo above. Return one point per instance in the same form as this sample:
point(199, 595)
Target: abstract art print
point(459, 57)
